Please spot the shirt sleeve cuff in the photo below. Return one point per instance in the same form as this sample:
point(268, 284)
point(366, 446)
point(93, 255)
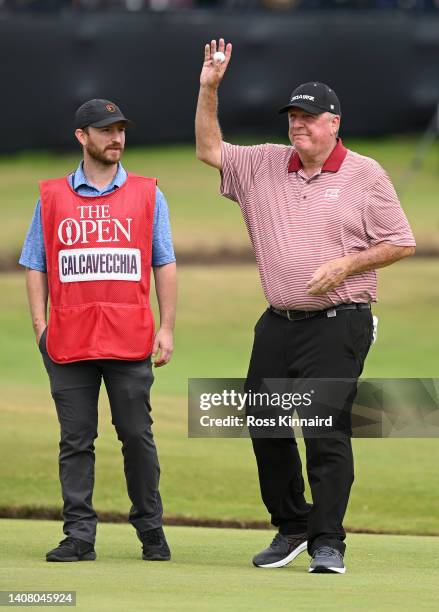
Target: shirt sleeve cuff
point(162, 262)
point(32, 266)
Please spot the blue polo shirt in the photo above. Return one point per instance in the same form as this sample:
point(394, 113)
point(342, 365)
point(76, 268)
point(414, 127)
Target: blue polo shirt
point(33, 254)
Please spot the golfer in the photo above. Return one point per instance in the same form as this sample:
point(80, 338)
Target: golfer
point(94, 238)
point(321, 219)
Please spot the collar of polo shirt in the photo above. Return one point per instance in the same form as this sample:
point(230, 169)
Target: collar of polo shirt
point(332, 164)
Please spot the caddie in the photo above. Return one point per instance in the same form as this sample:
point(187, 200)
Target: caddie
point(94, 239)
point(321, 220)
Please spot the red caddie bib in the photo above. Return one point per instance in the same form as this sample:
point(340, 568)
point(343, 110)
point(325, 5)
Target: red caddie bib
point(98, 252)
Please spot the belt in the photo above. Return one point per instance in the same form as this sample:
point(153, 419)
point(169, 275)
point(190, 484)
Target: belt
point(298, 315)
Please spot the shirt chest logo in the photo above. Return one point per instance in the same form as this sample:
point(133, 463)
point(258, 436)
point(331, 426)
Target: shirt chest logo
point(332, 194)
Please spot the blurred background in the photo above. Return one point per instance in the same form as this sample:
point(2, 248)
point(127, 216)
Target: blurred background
point(382, 58)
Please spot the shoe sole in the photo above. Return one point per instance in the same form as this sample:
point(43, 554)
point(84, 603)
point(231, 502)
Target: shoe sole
point(91, 556)
point(285, 560)
point(322, 569)
point(156, 558)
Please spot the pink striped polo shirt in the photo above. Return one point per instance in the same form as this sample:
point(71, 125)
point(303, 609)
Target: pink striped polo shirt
point(297, 223)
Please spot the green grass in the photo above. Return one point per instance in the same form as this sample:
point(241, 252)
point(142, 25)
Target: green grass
point(201, 219)
point(209, 478)
point(214, 478)
point(211, 570)
point(218, 307)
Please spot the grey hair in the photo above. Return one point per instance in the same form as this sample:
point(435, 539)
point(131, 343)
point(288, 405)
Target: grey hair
point(331, 117)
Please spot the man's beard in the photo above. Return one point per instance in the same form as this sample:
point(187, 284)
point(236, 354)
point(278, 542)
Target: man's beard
point(99, 156)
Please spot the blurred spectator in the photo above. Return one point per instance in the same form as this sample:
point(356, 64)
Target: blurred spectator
point(280, 4)
point(36, 5)
point(163, 5)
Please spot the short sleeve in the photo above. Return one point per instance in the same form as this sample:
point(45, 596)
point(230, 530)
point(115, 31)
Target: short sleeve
point(239, 165)
point(384, 217)
point(162, 246)
point(33, 254)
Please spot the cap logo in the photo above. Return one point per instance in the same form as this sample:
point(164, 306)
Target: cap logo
point(303, 97)
point(110, 108)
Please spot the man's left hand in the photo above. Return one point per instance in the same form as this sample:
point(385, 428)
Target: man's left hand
point(329, 275)
point(163, 346)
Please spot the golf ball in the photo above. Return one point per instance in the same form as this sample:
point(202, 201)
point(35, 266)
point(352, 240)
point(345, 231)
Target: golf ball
point(219, 57)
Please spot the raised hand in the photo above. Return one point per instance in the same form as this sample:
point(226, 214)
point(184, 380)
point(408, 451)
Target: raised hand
point(213, 72)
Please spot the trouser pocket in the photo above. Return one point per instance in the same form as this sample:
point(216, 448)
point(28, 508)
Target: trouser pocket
point(361, 333)
point(42, 340)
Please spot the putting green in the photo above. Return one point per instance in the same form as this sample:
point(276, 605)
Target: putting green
point(211, 570)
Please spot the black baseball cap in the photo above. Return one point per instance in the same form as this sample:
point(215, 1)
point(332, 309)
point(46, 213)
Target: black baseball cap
point(314, 98)
point(99, 113)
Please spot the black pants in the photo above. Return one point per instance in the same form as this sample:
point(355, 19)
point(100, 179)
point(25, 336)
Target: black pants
point(319, 347)
point(75, 390)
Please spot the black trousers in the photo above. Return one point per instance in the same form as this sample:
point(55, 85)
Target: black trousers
point(319, 347)
point(75, 390)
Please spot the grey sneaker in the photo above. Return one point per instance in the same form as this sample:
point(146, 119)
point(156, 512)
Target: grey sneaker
point(281, 551)
point(327, 560)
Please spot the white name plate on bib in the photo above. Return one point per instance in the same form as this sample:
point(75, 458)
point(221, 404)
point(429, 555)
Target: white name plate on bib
point(76, 265)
